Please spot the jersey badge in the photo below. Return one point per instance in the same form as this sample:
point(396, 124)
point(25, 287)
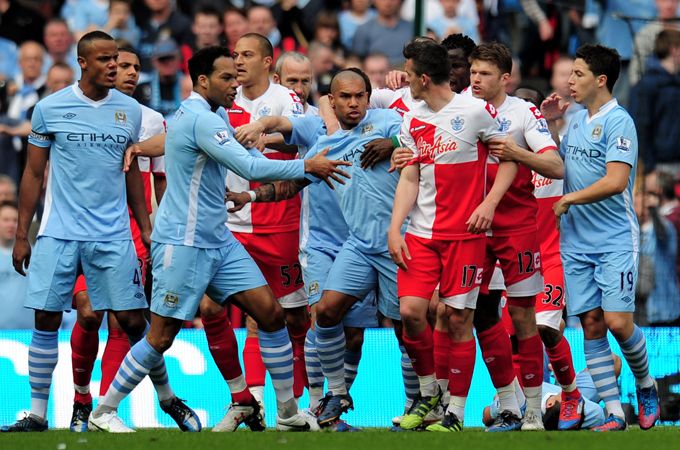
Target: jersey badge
point(542, 126)
point(504, 124)
point(623, 144)
point(366, 129)
point(171, 300)
point(597, 133)
point(120, 117)
point(222, 137)
point(264, 111)
point(313, 288)
point(457, 124)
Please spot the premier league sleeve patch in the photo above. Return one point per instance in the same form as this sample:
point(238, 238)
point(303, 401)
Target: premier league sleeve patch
point(623, 144)
point(222, 137)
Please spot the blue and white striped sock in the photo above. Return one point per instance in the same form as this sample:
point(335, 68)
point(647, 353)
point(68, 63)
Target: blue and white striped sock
point(277, 355)
point(411, 383)
point(43, 354)
point(600, 363)
point(635, 351)
point(330, 345)
point(159, 374)
point(313, 367)
point(351, 367)
point(136, 365)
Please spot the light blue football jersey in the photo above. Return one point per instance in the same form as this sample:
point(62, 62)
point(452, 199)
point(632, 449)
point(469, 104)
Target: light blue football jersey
point(199, 148)
point(366, 199)
point(85, 199)
point(611, 224)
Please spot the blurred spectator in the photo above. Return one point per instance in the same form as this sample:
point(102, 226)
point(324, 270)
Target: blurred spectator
point(543, 41)
point(24, 93)
point(162, 92)
point(664, 184)
point(658, 282)
point(614, 32)
point(358, 13)
point(327, 32)
point(467, 10)
point(376, 66)
point(60, 45)
point(207, 29)
point(8, 189)
point(8, 59)
point(165, 23)
point(559, 82)
point(654, 103)
point(120, 24)
point(515, 77)
point(646, 37)
point(19, 23)
point(235, 26)
point(185, 87)
point(354, 61)
point(14, 316)
point(450, 22)
point(323, 67)
point(386, 33)
point(261, 21)
point(59, 76)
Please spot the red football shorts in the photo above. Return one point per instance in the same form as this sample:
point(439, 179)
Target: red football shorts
point(520, 261)
point(551, 302)
point(276, 255)
point(454, 265)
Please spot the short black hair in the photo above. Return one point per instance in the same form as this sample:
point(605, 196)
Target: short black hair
point(551, 417)
point(495, 53)
point(203, 61)
point(208, 10)
point(9, 204)
point(85, 41)
point(459, 41)
point(367, 81)
point(429, 58)
point(265, 46)
point(601, 60)
point(128, 49)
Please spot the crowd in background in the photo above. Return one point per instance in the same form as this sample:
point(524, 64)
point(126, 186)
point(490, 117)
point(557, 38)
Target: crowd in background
point(38, 57)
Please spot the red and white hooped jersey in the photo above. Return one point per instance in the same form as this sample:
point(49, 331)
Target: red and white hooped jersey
point(264, 217)
point(447, 145)
point(547, 191)
point(516, 213)
point(399, 100)
point(153, 124)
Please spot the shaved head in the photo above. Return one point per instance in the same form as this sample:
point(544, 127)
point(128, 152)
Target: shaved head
point(85, 43)
point(349, 75)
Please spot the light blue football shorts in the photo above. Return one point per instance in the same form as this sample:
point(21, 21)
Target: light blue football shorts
point(181, 275)
point(111, 269)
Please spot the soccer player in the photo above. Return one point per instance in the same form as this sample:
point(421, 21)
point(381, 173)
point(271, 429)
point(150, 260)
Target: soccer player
point(85, 334)
point(599, 232)
point(443, 190)
point(194, 253)
point(270, 233)
point(85, 225)
point(363, 262)
point(323, 230)
point(513, 233)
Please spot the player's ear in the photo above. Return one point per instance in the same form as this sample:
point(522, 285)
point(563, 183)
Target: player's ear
point(203, 81)
point(601, 81)
point(276, 78)
point(331, 100)
point(82, 63)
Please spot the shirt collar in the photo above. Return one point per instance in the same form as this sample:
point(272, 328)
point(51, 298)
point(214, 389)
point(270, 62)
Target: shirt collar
point(96, 103)
point(604, 109)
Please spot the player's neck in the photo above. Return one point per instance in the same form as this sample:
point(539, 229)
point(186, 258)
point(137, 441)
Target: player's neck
point(93, 92)
point(257, 89)
point(498, 99)
point(438, 96)
point(601, 98)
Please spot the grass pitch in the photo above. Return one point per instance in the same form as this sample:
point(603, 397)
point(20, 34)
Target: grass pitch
point(660, 438)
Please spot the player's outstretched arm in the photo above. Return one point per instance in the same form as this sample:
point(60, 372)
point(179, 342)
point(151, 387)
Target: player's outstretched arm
point(152, 147)
point(268, 192)
point(135, 197)
point(29, 194)
point(548, 163)
point(328, 115)
point(404, 199)
point(482, 216)
point(613, 183)
point(248, 135)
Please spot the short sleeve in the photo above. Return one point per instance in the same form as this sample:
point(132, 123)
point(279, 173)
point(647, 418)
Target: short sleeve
point(293, 105)
point(536, 131)
point(381, 98)
point(622, 145)
point(40, 135)
point(306, 130)
point(393, 123)
point(405, 137)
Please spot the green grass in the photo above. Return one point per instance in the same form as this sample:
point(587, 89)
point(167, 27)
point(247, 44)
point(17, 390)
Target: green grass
point(660, 438)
